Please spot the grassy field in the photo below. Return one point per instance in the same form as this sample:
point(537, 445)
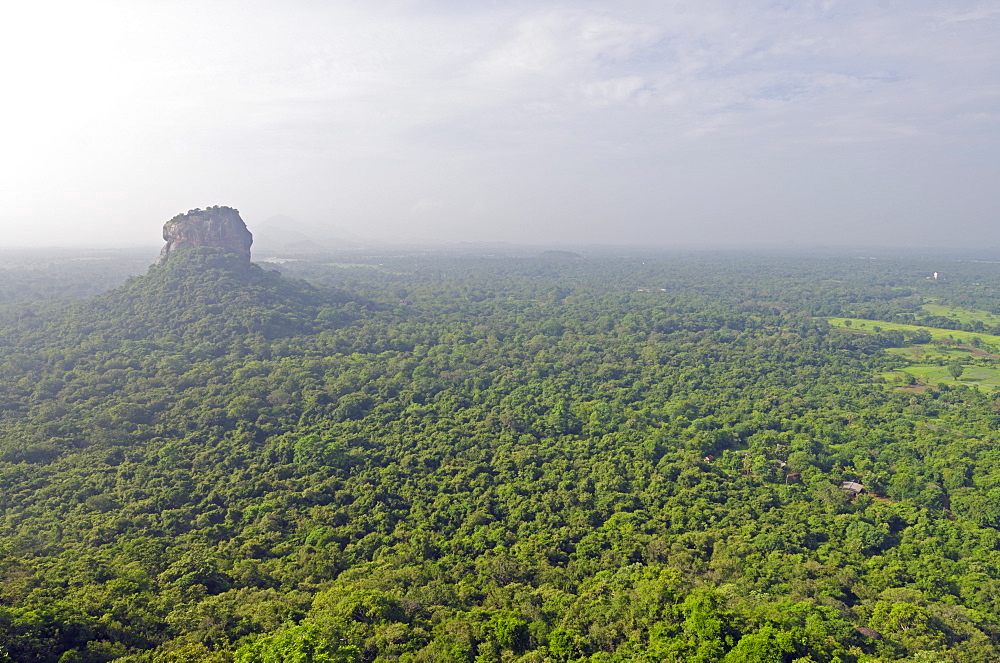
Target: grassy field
point(930, 359)
point(930, 365)
point(962, 315)
point(932, 374)
point(931, 353)
point(869, 326)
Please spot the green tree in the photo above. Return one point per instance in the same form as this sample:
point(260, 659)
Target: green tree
point(955, 369)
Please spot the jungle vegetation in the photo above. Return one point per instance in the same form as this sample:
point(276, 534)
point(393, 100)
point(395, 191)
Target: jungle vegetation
point(450, 457)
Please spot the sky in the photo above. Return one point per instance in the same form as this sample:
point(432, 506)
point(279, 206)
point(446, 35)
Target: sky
point(642, 122)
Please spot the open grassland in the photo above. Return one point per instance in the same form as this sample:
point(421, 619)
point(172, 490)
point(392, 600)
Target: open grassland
point(933, 353)
point(946, 335)
point(962, 315)
point(931, 359)
point(931, 367)
point(932, 374)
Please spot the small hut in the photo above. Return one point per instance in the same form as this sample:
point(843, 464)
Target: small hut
point(852, 487)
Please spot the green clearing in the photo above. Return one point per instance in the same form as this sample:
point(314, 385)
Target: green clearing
point(962, 315)
point(932, 353)
point(974, 376)
point(931, 359)
point(931, 366)
point(947, 335)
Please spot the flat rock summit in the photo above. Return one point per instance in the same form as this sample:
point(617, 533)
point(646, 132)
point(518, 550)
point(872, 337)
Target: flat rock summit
point(216, 227)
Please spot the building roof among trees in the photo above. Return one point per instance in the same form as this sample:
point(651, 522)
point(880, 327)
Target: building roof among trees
point(852, 487)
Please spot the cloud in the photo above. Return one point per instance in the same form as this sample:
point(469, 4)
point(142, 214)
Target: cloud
point(961, 14)
point(512, 116)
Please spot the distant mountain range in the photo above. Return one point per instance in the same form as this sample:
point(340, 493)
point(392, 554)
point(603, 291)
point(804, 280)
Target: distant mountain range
point(283, 233)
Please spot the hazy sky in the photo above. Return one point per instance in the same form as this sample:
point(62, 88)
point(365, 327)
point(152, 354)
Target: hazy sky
point(644, 121)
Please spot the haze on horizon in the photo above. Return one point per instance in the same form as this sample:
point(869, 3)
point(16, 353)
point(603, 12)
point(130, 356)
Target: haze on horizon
point(635, 122)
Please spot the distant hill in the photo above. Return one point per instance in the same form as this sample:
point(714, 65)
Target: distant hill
point(283, 233)
point(561, 255)
point(201, 295)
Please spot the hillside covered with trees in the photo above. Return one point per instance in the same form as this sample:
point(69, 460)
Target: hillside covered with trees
point(460, 458)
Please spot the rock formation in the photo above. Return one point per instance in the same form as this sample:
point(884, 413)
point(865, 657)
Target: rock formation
point(217, 227)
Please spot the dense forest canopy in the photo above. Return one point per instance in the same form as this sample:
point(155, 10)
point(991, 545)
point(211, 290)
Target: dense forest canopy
point(433, 456)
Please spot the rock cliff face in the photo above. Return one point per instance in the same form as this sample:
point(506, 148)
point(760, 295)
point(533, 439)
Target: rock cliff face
point(217, 227)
